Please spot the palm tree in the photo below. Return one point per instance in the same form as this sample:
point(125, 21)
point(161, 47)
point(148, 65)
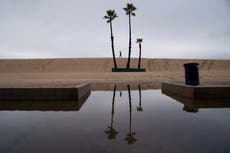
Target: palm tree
point(139, 41)
point(110, 15)
point(129, 9)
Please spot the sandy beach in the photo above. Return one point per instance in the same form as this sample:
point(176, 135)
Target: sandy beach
point(97, 71)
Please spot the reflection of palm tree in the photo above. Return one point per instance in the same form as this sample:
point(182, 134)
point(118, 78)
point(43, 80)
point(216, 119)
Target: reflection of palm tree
point(111, 131)
point(130, 136)
point(139, 41)
point(129, 9)
point(139, 108)
point(110, 16)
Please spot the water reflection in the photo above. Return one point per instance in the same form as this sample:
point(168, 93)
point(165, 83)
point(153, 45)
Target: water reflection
point(139, 108)
point(193, 105)
point(158, 128)
point(130, 135)
point(111, 131)
point(44, 105)
point(120, 93)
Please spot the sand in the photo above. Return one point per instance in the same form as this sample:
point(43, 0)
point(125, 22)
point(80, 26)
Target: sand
point(71, 72)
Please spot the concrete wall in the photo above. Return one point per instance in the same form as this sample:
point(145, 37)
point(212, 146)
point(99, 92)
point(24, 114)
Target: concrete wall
point(41, 94)
point(197, 92)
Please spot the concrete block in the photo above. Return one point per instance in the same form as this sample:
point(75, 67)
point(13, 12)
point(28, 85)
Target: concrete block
point(47, 94)
point(195, 97)
point(197, 92)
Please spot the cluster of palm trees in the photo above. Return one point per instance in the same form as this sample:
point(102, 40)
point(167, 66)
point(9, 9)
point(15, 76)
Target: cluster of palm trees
point(110, 16)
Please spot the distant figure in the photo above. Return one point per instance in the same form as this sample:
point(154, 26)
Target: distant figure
point(120, 55)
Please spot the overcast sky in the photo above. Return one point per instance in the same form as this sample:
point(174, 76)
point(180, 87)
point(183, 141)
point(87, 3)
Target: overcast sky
point(76, 28)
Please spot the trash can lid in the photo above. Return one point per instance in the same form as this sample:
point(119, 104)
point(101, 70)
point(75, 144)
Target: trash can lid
point(190, 64)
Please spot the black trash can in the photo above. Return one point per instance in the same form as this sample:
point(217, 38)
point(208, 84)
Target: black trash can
point(191, 74)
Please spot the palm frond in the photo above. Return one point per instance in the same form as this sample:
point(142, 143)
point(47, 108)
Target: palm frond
point(106, 17)
point(125, 9)
point(129, 9)
point(139, 40)
point(110, 15)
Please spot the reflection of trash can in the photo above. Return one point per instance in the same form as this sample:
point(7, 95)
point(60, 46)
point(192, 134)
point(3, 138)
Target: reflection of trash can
point(191, 74)
point(190, 109)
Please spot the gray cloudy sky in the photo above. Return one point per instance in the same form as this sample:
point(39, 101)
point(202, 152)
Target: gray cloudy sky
point(76, 28)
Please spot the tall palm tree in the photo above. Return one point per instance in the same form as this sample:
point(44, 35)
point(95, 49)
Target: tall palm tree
point(139, 41)
point(110, 16)
point(129, 9)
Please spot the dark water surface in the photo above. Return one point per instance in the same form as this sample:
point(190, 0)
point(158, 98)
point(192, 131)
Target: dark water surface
point(116, 122)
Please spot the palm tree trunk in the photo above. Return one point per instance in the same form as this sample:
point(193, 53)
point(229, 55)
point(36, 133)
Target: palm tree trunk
point(139, 62)
point(128, 63)
point(114, 59)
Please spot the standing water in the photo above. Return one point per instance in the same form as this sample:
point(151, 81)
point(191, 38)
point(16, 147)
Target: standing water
point(119, 120)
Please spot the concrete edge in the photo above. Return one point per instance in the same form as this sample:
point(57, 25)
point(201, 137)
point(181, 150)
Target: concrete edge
point(44, 94)
point(197, 92)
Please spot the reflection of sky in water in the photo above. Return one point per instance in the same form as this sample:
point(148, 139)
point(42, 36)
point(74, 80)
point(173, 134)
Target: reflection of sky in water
point(162, 127)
